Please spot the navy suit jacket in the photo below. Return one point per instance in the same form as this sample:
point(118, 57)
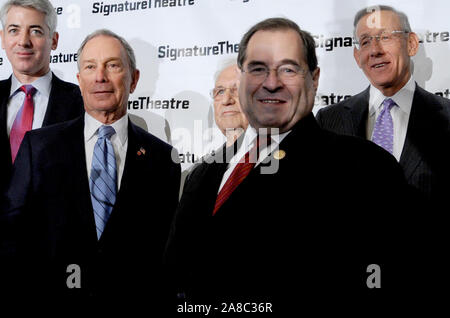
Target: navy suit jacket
point(65, 103)
point(426, 153)
point(301, 237)
point(51, 223)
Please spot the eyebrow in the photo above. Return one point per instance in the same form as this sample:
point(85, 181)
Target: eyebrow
point(367, 34)
point(106, 61)
point(12, 25)
point(282, 62)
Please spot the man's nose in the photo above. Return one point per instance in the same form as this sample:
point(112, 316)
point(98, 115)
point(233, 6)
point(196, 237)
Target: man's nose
point(228, 97)
point(376, 48)
point(272, 81)
point(24, 39)
point(100, 74)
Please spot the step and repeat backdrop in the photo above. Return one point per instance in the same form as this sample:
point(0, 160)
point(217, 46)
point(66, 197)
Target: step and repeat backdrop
point(179, 45)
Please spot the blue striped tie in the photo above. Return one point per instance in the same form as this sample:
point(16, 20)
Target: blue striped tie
point(103, 181)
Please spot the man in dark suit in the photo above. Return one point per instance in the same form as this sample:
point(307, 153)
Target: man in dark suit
point(421, 120)
point(94, 211)
point(302, 229)
point(28, 36)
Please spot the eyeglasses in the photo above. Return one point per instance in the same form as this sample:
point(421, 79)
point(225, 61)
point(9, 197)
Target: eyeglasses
point(286, 73)
point(219, 92)
point(386, 37)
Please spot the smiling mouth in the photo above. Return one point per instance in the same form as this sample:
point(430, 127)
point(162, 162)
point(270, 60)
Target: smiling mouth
point(271, 101)
point(379, 65)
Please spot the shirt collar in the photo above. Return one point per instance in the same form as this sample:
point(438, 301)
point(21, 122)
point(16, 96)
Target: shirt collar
point(251, 133)
point(91, 126)
point(403, 98)
point(43, 84)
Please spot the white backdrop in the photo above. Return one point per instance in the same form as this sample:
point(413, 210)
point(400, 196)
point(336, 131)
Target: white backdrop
point(205, 32)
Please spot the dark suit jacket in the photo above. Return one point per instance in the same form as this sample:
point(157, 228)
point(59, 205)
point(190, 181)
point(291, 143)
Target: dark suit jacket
point(65, 103)
point(299, 237)
point(50, 212)
point(426, 155)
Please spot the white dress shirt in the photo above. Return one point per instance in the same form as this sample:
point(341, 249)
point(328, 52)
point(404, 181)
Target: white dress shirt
point(400, 115)
point(247, 144)
point(43, 87)
point(119, 141)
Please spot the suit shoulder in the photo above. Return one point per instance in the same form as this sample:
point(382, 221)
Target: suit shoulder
point(53, 131)
point(151, 139)
point(346, 103)
point(353, 148)
point(66, 85)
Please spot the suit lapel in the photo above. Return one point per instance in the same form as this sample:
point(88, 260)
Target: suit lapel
point(411, 156)
point(57, 97)
point(5, 87)
point(75, 140)
point(136, 158)
point(359, 110)
point(209, 175)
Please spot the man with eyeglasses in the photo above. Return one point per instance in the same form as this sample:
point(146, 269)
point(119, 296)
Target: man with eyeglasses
point(227, 109)
point(394, 112)
point(300, 236)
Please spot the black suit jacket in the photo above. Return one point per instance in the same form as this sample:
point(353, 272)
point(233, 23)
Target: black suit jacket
point(51, 223)
point(300, 237)
point(426, 155)
point(65, 103)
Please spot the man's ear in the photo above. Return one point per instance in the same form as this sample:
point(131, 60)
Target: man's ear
point(356, 55)
point(315, 78)
point(55, 39)
point(1, 35)
point(134, 80)
point(413, 43)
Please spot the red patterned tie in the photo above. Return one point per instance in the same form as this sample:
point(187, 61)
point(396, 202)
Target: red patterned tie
point(23, 121)
point(242, 169)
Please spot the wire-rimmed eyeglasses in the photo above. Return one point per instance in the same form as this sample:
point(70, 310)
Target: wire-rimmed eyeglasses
point(385, 37)
point(219, 92)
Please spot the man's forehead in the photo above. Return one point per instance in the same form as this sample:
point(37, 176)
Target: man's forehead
point(95, 46)
point(281, 44)
point(16, 11)
point(229, 74)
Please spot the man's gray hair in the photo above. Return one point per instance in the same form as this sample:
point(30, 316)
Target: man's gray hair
point(104, 32)
point(376, 8)
point(222, 65)
point(43, 6)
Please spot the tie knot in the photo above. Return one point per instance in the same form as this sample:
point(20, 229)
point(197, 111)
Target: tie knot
point(388, 103)
point(29, 90)
point(106, 132)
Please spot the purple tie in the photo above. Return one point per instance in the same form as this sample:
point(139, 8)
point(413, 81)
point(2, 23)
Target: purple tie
point(383, 132)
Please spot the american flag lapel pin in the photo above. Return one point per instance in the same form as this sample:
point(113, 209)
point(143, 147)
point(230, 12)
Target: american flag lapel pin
point(141, 152)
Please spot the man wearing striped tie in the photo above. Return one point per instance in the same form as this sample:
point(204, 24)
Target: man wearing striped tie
point(92, 199)
point(300, 237)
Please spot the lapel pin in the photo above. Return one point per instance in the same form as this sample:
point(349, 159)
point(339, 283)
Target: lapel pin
point(279, 154)
point(141, 151)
